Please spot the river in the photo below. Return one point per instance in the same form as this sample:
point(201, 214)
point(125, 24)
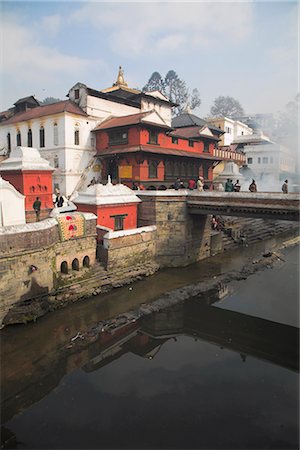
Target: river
point(206, 373)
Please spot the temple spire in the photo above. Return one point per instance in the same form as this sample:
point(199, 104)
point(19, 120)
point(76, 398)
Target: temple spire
point(120, 79)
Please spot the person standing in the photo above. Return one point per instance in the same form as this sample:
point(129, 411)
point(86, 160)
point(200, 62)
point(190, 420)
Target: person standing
point(237, 186)
point(37, 208)
point(285, 187)
point(227, 186)
point(200, 184)
point(191, 184)
point(177, 184)
point(253, 187)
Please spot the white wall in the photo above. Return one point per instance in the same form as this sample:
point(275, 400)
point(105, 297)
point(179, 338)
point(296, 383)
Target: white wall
point(12, 205)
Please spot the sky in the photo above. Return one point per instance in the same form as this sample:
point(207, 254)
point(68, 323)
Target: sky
point(246, 50)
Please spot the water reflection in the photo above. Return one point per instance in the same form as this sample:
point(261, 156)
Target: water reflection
point(166, 380)
point(40, 368)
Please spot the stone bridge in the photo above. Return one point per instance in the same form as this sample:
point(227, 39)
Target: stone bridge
point(183, 219)
point(243, 204)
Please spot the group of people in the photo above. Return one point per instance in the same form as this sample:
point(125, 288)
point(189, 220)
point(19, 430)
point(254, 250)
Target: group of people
point(192, 184)
point(230, 187)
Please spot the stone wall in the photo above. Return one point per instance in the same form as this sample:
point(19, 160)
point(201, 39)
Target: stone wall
point(182, 239)
point(30, 265)
point(129, 248)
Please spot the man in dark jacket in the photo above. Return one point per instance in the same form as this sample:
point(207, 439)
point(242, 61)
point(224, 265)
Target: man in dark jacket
point(37, 208)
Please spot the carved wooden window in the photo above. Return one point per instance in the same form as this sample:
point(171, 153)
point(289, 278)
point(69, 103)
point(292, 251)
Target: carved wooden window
point(206, 147)
point(153, 137)
point(76, 92)
point(118, 137)
point(152, 167)
point(119, 221)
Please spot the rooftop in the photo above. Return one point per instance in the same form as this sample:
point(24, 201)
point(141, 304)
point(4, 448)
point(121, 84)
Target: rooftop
point(45, 110)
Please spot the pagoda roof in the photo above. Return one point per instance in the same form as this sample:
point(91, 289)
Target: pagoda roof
point(156, 150)
point(190, 120)
point(194, 132)
point(132, 119)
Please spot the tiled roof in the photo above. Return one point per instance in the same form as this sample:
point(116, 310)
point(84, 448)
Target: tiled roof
point(192, 132)
point(46, 110)
point(29, 99)
point(190, 120)
point(157, 150)
point(132, 119)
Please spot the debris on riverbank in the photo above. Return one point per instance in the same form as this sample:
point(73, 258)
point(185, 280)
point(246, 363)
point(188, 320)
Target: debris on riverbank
point(212, 290)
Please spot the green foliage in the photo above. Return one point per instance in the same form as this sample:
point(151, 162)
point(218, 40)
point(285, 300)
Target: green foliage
point(49, 100)
point(175, 89)
point(226, 106)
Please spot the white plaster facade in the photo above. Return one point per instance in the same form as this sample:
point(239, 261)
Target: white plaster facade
point(73, 157)
point(270, 159)
point(233, 129)
point(12, 205)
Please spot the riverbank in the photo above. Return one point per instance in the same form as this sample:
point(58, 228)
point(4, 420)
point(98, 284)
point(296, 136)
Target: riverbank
point(96, 282)
point(96, 364)
point(210, 290)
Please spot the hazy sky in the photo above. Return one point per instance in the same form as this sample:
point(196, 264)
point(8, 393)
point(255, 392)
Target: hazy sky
point(247, 50)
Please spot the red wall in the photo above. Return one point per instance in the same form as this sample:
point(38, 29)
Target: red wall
point(32, 184)
point(140, 136)
point(104, 212)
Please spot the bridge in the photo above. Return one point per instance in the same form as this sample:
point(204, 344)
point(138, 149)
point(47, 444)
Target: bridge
point(243, 204)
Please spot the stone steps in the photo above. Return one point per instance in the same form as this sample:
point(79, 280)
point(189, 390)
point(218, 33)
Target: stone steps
point(254, 230)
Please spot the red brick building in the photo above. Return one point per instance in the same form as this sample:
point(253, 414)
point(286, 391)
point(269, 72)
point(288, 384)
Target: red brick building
point(31, 175)
point(142, 148)
point(114, 205)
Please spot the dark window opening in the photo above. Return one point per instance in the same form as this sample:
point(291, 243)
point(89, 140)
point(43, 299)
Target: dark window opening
point(152, 167)
point(29, 138)
point(206, 147)
point(174, 140)
point(19, 142)
point(64, 267)
point(119, 221)
point(42, 137)
point(8, 141)
point(75, 264)
point(76, 92)
point(191, 143)
point(76, 137)
point(118, 137)
point(86, 261)
point(153, 137)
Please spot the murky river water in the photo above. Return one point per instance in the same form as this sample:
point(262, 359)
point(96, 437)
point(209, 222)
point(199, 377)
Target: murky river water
point(202, 374)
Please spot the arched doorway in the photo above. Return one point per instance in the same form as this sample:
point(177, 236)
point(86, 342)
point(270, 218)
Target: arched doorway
point(75, 264)
point(86, 261)
point(64, 267)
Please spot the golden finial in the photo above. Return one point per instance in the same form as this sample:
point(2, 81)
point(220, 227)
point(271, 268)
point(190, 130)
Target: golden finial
point(120, 79)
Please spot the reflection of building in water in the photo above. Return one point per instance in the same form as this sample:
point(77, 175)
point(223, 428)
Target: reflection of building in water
point(264, 339)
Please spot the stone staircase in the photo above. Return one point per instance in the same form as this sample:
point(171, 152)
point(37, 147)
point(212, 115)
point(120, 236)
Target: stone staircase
point(245, 231)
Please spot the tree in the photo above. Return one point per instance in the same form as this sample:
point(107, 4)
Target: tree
point(226, 106)
point(175, 89)
point(155, 83)
point(49, 100)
